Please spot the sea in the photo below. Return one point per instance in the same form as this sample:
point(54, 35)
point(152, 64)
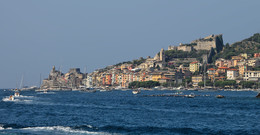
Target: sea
point(120, 112)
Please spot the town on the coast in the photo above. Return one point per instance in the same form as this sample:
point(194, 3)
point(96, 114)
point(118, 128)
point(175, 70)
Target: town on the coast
point(205, 63)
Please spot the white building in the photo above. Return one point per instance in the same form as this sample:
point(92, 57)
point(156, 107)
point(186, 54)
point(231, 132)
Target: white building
point(255, 62)
point(251, 75)
point(89, 82)
point(232, 74)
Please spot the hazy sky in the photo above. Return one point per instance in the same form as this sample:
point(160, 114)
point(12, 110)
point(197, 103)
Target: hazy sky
point(35, 35)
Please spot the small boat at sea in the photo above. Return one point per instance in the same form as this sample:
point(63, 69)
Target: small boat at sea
point(136, 91)
point(11, 98)
point(190, 95)
point(17, 94)
point(219, 96)
point(258, 95)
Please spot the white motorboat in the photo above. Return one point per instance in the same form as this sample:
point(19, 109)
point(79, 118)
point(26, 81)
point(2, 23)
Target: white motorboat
point(11, 98)
point(192, 95)
point(17, 94)
point(136, 91)
point(219, 96)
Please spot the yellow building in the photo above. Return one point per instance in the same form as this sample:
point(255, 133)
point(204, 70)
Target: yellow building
point(156, 76)
point(195, 80)
point(242, 69)
point(244, 55)
point(194, 66)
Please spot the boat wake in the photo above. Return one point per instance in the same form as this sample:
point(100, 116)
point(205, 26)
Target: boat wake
point(114, 129)
point(7, 99)
point(86, 129)
point(21, 96)
point(46, 93)
point(61, 129)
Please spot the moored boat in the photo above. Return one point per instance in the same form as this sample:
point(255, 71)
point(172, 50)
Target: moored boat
point(136, 91)
point(219, 96)
point(258, 95)
point(190, 95)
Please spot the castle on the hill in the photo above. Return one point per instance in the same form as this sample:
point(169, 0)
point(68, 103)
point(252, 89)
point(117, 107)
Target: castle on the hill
point(212, 41)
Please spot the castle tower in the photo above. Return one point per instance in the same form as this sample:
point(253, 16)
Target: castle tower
point(53, 68)
point(162, 55)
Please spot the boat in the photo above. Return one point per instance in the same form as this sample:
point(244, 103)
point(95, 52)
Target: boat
point(11, 98)
point(136, 91)
point(219, 96)
point(26, 88)
point(258, 95)
point(190, 96)
point(17, 94)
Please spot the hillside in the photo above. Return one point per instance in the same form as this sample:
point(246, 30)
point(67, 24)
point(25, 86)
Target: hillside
point(250, 46)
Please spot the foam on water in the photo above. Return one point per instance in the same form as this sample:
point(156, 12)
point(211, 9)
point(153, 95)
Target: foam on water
point(63, 129)
point(21, 96)
point(2, 127)
point(6, 99)
point(46, 93)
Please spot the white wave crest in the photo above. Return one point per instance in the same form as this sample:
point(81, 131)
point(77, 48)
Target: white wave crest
point(1, 127)
point(63, 129)
point(45, 93)
point(21, 96)
point(6, 99)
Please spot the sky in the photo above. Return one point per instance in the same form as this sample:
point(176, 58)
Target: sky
point(36, 35)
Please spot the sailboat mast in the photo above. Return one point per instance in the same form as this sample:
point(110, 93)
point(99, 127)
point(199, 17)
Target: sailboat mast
point(40, 80)
point(85, 77)
point(204, 75)
point(21, 84)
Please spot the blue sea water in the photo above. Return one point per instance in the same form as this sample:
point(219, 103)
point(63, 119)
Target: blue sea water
point(121, 112)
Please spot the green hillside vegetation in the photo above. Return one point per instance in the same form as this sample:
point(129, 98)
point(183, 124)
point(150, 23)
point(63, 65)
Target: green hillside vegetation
point(250, 46)
point(171, 54)
point(146, 84)
point(134, 62)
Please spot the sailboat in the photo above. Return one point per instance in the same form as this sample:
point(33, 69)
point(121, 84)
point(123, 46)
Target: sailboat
point(23, 88)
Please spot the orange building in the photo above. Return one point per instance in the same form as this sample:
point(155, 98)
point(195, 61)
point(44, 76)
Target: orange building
point(108, 79)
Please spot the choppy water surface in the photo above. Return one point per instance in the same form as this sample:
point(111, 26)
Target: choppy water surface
point(121, 112)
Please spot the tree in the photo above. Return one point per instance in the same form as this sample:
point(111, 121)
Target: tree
point(208, 83)
point(146, 84)
point(227, 83)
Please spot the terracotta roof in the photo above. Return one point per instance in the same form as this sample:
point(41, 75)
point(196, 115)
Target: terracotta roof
point(212, 69)
point(223, 68)
point(194, 62)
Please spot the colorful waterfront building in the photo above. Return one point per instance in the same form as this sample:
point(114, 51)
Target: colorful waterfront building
point(232, 74)
point(252, 75)
point(108, 79)
point(195, 80)
point(156, 76)
point(194, 66)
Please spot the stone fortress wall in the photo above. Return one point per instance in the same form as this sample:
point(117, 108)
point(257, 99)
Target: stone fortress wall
point(211, 41)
